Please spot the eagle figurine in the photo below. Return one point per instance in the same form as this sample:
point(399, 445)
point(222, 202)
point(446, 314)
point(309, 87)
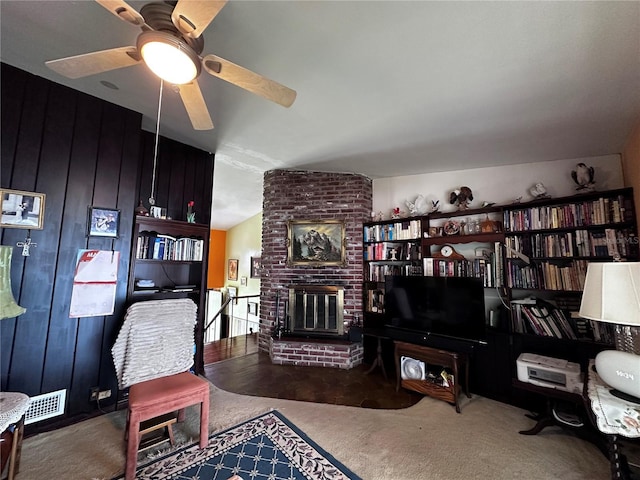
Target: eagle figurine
point(462, 196)
point(583, 176)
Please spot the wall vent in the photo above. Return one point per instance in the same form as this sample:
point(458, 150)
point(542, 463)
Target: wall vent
point(46, 406)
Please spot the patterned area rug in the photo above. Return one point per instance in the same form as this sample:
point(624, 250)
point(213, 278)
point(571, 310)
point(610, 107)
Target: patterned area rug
point(268, 447)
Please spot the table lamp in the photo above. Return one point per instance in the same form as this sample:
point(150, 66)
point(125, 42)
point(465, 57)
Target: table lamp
point(612, 295)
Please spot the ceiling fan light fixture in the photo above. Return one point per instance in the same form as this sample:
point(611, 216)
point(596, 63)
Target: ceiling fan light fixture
point(169, 57)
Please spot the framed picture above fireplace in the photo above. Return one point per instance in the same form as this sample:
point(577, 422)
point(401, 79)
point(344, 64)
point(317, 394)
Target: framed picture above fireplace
point(316, 243)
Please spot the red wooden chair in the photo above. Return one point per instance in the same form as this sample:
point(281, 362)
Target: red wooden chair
point(152, 354)
point(160, 396)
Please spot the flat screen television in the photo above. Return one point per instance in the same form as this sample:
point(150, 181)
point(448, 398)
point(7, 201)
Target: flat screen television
point(447, 307)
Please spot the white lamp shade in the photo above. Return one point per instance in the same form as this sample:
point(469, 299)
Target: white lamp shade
point(168, 57)
point(612, 293)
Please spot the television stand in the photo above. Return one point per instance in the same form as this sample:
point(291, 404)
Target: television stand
point(455, 361)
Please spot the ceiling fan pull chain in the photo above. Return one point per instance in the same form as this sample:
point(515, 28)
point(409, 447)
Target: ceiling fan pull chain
point(152, 199)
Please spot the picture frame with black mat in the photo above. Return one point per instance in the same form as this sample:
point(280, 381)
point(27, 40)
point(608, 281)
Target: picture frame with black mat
point(256, 267)
point(103, 222)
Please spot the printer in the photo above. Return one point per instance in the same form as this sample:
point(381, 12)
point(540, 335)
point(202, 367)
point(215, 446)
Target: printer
point(549, 372)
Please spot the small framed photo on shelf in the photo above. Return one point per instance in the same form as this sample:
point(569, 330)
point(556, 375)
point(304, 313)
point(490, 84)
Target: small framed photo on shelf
point(252, 308)
point(233, 269)
point(158, 212)
point(103, 222)
point(22, 209)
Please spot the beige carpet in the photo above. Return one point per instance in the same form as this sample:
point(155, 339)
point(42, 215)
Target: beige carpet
point(425, 441)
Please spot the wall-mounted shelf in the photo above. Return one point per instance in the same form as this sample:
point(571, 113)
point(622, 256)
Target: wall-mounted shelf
point(179, 269)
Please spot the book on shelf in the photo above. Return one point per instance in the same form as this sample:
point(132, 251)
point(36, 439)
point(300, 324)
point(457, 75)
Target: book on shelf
point(376, 272)
point(482, 268)
point(392, 251)
point(600, 211)
point(181, 288)
point(548, 275)
point(155, 246)
point(592, 330)
point(375, 300)
point(498, 259)
point(396, 230)
point(540, 319)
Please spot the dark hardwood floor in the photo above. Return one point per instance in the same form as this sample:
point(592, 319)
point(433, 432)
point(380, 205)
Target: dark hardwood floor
point(235, 365)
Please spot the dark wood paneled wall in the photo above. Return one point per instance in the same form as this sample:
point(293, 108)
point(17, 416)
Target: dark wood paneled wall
point(78, 151)
point(186, 174)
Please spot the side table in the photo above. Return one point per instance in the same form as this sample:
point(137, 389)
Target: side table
point(612, 416)
point(379, 361)
point(13, 406)
point(456, 361)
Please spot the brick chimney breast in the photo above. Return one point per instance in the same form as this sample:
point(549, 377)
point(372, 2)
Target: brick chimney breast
point(303, 195)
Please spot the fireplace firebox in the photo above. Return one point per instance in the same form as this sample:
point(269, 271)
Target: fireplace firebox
point(316, 311)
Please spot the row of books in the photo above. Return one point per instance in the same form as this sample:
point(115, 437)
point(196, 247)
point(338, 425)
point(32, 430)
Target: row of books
point(374, 300)
point(540, 320)
point(476, 268)
point(376, 272)
point(582, 243)
point(528, 316)
point(597, 212)
point(548, 275)
point(155, 246)
point(610, 242)
point(401, 230)
point(392, 251)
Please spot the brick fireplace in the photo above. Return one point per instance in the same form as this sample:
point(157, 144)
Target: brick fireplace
point(320, 337)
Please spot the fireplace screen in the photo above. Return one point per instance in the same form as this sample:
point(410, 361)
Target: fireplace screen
point(316, 310)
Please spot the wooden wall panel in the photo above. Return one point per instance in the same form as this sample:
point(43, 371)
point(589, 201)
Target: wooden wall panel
point(60, 353)
point(11, 112)
point(127, 196)
point(79, 151)
point(175, 187)
point(52, 178)
point(184, 173)
point(31, 329)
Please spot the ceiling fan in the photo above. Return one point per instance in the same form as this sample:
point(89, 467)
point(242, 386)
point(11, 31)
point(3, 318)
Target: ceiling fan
point(170, 44)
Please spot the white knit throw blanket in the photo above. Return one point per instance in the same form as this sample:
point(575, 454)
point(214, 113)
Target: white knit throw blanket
point(156, 340)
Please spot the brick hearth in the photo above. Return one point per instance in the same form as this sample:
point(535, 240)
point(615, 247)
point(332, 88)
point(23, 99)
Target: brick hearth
point(315, 353)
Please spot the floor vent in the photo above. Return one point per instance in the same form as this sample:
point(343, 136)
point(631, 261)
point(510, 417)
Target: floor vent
point(46, 406)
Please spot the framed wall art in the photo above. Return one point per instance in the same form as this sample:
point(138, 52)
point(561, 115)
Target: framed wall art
point(103, 222)
point(233, 269)
point(22, 209)
point(233, 293)
point(316, 242)
point(256, 267)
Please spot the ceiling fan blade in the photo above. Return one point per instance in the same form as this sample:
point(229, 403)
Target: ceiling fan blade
point(95, 62)
point(251, 81)
point(192, 17)
point(196, 107)
point(123, 11)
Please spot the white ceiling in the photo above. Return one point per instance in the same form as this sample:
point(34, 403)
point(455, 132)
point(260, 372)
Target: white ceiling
point(385, 88)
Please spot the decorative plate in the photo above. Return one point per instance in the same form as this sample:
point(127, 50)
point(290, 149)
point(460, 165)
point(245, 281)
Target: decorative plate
point(451, 227)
